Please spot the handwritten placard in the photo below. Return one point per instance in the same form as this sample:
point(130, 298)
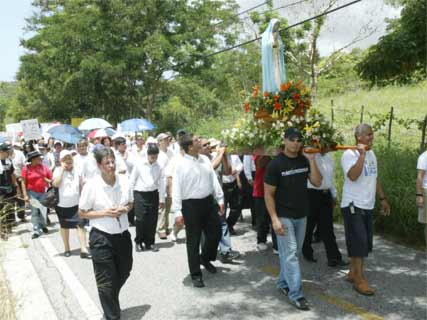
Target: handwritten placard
point(31, 130)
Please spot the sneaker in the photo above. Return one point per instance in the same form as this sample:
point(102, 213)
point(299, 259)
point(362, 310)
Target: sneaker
point(229, 256)
point(300, 303)
point(234, 254)
point(275, 252)
point(262, 246)
point(45, 230)
point(284, 291)
point(35, 236)
point(173, 236)
point(163, 235)
point(225, 257)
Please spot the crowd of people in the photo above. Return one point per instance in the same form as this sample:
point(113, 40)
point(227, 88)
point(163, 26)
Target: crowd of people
point(108, 185)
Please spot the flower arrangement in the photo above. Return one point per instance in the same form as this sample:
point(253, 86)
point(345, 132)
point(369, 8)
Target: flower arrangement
point(319, 133)
point(273, 113)
point(293, 99)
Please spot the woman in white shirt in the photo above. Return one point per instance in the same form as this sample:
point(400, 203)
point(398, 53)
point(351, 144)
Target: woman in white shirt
point(149, 185)
point(105, 201)
point(68, 182)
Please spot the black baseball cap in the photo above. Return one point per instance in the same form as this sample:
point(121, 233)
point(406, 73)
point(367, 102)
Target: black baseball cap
point(4, 147)
point(180, 132)
point(292, 133)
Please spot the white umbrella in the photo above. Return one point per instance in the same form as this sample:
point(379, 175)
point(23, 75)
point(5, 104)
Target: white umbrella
point(94, 123)
point(104, 133)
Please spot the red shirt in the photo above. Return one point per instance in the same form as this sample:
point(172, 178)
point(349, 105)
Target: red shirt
point(34, 176)
point(259, 181)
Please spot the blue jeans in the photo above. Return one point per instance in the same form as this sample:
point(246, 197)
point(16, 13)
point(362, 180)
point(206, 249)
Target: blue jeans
point(225, 242)
point(290, 246)
point(37, 219)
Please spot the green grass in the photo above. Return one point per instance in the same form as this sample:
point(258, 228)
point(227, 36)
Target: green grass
point(409, 102)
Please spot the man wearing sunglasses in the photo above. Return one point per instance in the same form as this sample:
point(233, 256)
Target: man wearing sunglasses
point(286, 198)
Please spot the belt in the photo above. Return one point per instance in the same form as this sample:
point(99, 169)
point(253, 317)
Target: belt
point(147, 192)
point(110, 235)
point(322, 191)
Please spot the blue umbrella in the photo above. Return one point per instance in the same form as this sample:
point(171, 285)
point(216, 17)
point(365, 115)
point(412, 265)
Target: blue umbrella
point(135, 125)
point(66, 133)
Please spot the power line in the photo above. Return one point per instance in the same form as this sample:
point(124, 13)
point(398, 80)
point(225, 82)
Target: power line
point(284, 29)
point(243, 12)
point(281, 30)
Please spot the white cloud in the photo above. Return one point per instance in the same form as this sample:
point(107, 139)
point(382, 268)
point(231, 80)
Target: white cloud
point(341, 27)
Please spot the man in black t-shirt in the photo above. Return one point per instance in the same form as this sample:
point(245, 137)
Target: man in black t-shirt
point(286, 198)
point(7, 192)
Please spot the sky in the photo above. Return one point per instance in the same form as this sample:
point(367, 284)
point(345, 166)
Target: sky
point(341, 27)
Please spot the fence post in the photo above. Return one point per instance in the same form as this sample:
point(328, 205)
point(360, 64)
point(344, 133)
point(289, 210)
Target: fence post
point(389, 126)
point(423, 135)
point(361, 113)
point(332, 111)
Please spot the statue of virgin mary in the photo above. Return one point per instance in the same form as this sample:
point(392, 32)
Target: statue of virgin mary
point(272, 55)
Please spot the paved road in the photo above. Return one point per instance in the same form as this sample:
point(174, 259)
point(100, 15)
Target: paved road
point(159, 286)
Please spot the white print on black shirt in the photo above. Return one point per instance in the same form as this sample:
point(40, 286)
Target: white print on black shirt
point(294, 171)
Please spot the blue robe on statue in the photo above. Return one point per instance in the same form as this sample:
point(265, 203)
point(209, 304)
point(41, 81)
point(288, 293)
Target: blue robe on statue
point(273, 63)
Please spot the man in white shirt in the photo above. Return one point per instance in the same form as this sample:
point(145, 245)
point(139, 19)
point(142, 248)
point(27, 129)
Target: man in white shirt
point(138, 147)
point(85, 163)
point(196, 194)
point(165, 156)
point(231, 187)
point(175, 147)
point(124, 159)
point(148, 182)
point(422, 191)
point(358, 200)
point(322, 202)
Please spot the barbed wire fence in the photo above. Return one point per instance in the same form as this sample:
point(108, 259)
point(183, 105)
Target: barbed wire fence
point(387, 125)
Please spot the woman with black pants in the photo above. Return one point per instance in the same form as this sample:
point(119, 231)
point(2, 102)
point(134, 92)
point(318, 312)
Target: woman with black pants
point(105, 201)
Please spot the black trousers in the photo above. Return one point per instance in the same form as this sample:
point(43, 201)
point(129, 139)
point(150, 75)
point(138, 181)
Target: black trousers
point(146, 216)
point(112, 262)
point(263, 222)
point(232, 200)
point(201, 216)
point(321, 212)
point(131, 216)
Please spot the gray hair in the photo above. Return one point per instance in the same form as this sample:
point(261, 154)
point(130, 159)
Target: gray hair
point(361, 129)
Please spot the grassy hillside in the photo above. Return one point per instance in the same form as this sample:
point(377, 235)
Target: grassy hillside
point(409, 102)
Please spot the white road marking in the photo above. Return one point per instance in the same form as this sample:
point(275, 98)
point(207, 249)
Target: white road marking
point(87, 304)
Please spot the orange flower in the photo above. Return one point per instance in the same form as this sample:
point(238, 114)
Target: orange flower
point(285, 86)
point(246, 107)
point(277, 106)
point(276, 97)
point(266, 94)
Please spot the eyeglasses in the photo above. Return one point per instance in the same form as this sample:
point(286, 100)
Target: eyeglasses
point(206, 145)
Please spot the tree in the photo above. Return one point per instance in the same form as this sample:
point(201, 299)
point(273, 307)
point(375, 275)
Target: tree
point(302, 53)
point(400, 55)
point(108, 58)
